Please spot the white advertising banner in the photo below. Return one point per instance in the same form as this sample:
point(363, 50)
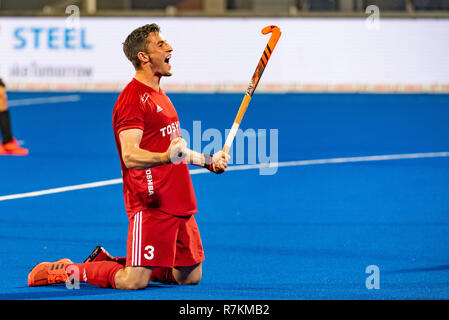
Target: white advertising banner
point(220, 54)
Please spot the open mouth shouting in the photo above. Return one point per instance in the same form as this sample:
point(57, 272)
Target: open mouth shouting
point(167, 60)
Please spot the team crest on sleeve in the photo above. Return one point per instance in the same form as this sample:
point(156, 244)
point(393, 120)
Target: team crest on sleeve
point(144, 98)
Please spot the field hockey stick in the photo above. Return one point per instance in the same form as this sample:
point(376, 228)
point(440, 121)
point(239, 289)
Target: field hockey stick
point(275, 34)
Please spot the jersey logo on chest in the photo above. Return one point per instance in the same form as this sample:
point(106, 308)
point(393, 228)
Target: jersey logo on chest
point(172, 129)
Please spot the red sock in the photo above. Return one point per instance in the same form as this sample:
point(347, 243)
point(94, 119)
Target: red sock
point(99, 273)
point(163, 275)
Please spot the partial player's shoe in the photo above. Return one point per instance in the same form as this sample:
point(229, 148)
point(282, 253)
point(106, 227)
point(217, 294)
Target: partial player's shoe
point(99, 254)
point(12, 148)
point(46, 273)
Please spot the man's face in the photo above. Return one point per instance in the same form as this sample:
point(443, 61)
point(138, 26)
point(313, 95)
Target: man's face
point(159, 52)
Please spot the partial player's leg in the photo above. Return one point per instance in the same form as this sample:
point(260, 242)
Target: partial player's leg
point(3, 97)
point(5, 122)
point(9, 145)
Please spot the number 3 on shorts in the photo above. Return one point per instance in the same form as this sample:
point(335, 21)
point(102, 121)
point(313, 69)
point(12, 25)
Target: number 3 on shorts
point(150, 252)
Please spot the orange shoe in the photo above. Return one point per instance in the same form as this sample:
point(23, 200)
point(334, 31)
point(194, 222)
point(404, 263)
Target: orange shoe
point(12, 148)
point(46, 273)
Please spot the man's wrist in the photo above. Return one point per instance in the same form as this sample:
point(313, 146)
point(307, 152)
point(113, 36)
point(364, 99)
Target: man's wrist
point(165, 159)
point(208, 162)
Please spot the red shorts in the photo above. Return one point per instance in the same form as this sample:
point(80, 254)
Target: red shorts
point(157, 239)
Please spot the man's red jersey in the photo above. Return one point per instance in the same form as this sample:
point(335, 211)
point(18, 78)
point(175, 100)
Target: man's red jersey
point(168, 187)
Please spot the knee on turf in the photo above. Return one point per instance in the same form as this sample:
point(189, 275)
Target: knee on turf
point(134, 279)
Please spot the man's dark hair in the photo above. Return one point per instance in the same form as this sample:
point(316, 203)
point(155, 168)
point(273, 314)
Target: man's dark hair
point(137, 41)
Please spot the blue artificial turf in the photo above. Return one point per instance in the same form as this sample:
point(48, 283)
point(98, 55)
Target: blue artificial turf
point(306, 232)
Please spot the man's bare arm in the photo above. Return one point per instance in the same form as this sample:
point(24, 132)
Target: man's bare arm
point(135, 157)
